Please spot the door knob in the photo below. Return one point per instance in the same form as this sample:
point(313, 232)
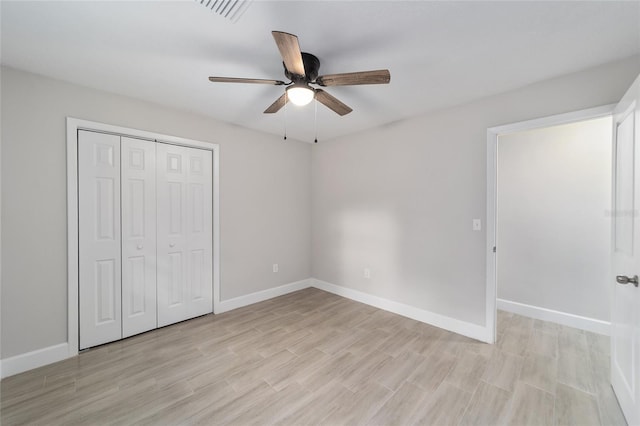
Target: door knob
point(623, 279)
point(139, 247)
point(172, 244)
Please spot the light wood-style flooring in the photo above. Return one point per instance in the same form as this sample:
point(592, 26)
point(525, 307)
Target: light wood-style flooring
point(311, 357)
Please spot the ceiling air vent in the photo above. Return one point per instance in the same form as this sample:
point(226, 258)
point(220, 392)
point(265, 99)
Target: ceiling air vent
point(229, 9)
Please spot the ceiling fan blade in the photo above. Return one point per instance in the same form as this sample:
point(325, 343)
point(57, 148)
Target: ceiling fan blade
point(354, 78)
point(332, 102)
point(290, 51)
point(279, 103)
point(245, 80)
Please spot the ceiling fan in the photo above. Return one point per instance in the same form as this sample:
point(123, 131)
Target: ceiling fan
point(301, 69)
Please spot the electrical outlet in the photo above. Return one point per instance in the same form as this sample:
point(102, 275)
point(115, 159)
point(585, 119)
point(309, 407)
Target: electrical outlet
point(275, 267)
point(367, 273)
point(477, 224)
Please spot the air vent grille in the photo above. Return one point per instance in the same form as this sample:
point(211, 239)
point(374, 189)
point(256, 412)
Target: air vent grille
point(229, 9)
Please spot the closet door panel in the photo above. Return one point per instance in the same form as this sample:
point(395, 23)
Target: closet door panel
point(172, 236)
point(99, 273)
point(139, 312)
point(184, 233)
point(199, 225)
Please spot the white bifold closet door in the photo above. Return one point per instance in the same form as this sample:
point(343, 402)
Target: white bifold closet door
point(145, 235)
point(138, 236)
point(99, 257)
point(184, 233)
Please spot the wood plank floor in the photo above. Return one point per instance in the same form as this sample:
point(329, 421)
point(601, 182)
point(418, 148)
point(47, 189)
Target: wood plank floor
point(311, 357)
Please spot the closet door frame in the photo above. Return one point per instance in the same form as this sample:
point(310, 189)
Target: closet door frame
point(73, 126)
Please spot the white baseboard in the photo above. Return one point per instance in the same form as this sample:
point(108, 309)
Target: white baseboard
point(259, 296)
point(38, 358)
point(474, 331)
point(570, 320)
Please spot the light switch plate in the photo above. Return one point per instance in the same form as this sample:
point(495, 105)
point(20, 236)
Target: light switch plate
point(477, 225)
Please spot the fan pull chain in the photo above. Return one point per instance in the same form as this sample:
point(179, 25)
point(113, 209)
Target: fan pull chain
point(286, 99)
point(316, 116)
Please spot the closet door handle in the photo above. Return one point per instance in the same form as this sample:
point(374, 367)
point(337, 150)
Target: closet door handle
point(623, 279)
point(172, 244)
point(139, 247)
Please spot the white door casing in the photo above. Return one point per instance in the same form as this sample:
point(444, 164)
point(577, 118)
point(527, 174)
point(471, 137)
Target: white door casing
point(184, 233)
point(99, 253)
point(625, 313)
point(138, 236)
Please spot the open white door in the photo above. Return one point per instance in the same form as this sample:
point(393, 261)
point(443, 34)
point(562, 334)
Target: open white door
point(625, 314)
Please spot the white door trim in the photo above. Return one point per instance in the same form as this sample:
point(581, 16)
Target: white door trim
point(75, 124)
point(492, 164)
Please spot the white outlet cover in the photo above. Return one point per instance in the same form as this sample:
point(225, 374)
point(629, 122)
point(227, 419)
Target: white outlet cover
point(477, 224)
point(275, 267)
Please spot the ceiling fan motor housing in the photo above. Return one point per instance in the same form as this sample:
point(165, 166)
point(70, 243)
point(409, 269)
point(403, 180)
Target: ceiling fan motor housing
point(311, 67)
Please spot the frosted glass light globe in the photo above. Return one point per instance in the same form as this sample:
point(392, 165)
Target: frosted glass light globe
point(300, 94)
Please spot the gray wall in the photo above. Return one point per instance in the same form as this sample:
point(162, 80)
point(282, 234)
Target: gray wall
point(554, 190)
point(400, 199)
point(264, 200)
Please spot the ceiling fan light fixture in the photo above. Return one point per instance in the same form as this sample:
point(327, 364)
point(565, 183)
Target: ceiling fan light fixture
point(300, 94)
point(301, 69)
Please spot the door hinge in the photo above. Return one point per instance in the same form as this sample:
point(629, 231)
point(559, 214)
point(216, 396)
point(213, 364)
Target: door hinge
point(494, 249)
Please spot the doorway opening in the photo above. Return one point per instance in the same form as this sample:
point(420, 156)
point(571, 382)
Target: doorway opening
point(548, 234)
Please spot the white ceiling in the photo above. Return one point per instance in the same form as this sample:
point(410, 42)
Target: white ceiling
point(439, 53)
